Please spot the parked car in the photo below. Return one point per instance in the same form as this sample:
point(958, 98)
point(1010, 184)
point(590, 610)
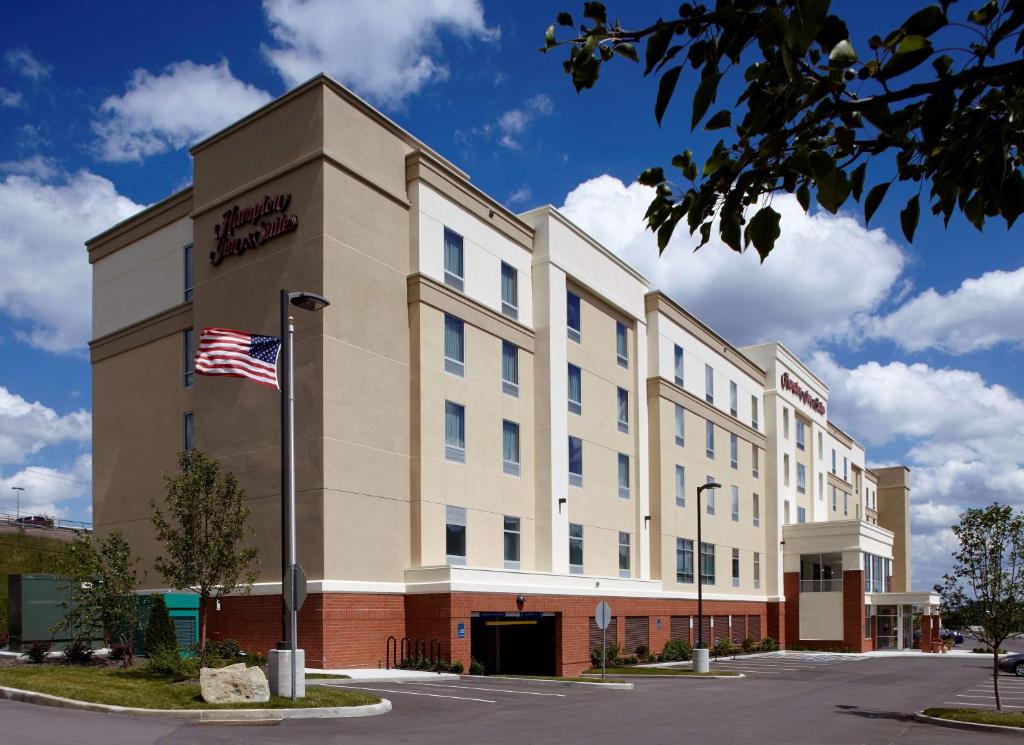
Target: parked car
point(947, 634)
point(41, 520)
point(1013, 663)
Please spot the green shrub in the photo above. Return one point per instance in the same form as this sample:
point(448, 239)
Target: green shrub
point(748, 645)
point(643, 651)
point(676, 650)
point(475, 668)
point(78, 652)
point(37, 651)
point(612, 658)
point(456, 667)
point(724, 647)
point(769, 645)
point(631, 659)
point(171, 662)
point(254, 659)
point(159, 629)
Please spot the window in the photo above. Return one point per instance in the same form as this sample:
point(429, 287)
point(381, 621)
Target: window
point(453, 274)
point(454, 432)
point(679, 365)
point(754, 420)
point(573, 320)
point(709, 497)
point(735, 567)
point(800, 432)
point(735, 504)
point(734, 451)
point(801, 478)
point(680, 425)
point(867, 621)
point(821, 487)
point(757, 571)
point(454, 346)
point(846, 469)
point(755, 460)
point(189, 431)
point(509, 369)
point(575, 461)
point(680, 486)
point(846, 504)
point(510, 447)
point(623, 475)
point(575, 548)
point(623, 398)
point(684, 560)
point(756, 510)
point(623, 554)
point(877, 570)
point(709, 436)
point(575, 390)
point(834, 496)
point(785, 513)
point(455, 535)
point(785, 469)
point(188, 344)
point(785, 423)
point(512, 536)
point(733, 398)
point(801, 514)
point(709, 384)
point(707, 563)
point(621, 346)
point(821, 572)
point(821, 446)
point(833, 461)
point(509, 291)
point(188, 281)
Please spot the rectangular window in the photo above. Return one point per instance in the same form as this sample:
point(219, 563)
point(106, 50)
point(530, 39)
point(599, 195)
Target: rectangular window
point(623, 475)
point(188, 280)
point(801, 514)
point(509, 369)
point(454, 432)
point(801, 478)
point(684, 561)
point(623, 399)
point(735, 567)
point(575, 390)
point(833, 461)
point(821, 446)
point(735, 504)
point(846, 504)
point(785, 469)
point(754, 415)
point(733, 398)
point(575, 461)
point(709, 497)
point(846, 469)
point(623, 554)
point(785, 513)
point(509, 291)
point(680, 425)
point(512, 542)
point(573, 320)
point(510, 447)
point(821, 487)
point(454, 346)
point(188, 344)
point(757, 571)
point(756, 510)
point(785, 423)
point(189, 435)
point(707, 563)
point(709, 384)
point(455, 535)
point(800, 432)
point(678, 352)
point(734, 451)
point(834, 497)
point(755, 460)
point(575, 548)
point(621, 345)
point(453, 274)
point(680, 486)
point(709, 437)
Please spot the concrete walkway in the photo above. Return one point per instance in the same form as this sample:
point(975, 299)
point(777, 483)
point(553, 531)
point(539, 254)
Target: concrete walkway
point(380, 675)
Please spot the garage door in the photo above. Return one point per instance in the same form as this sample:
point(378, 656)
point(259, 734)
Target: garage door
point(638, 630)
point(679, 628)
point(721, 627)
point(754, 627)
point(739, 629)
point(595, 633)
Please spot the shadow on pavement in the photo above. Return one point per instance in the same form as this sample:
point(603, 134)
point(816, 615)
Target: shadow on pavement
point(896, 716)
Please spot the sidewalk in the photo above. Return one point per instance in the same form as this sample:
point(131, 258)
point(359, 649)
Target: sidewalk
point(380, 675)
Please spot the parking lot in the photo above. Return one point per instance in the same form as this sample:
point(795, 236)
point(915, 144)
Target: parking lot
point(980, 693)
point(783, 664)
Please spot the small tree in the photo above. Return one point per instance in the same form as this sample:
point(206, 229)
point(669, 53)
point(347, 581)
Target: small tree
point(203, 532)
point(986, 585)
point(103, 583)
point(160, 629)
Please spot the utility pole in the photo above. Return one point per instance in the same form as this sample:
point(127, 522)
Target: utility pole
point(18, 490)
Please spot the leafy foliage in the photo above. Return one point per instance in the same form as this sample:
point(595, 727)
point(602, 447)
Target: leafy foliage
point(203, 532)
point(985, 587)
point(815, 112)
point(160, 629)
point(78, 652)
point(38, 651)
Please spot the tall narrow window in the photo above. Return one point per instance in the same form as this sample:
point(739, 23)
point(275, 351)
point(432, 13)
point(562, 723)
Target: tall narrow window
point(510, 447)
point(785, 512)
point(621, 345)
point(509, 291)
point(709, 497)
point(834, 496)
point(833, 461)
point(684, 561)
point(678, 352)
point(680, 486)
point(623, 399)
point(453, 266)
point(189, 436)
point(188, 280)
point(575, 548)
point(455, 535)
point(755, 460)
point(801, 478)
point(707, 563)
point(623, 554)
point(680, 425)
point(709, 437)
point(756, 510)
point(821, 447)
point(573, 320)
point(821, 487)
point(454, 346)
point(785, 469)
point(733, 398)
point(846, 504)
point(734, 450)
point(454, 432)
point(509, 369)
point(189, 344)
point(623, 475)
point(735, 503)
point(757, 571)
point(575, 390)
point(801, 514)
point(512, 542)
point(800, 434)
point(785, 423)
point(846, 469)
point(735, 567)
point(754, 413)
point(709, 384)
point(575, 461)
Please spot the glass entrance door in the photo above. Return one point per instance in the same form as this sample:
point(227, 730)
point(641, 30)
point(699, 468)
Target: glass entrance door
point(887, 623)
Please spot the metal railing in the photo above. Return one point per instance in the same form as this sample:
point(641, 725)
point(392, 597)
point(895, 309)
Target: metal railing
point(29, 520)
point(821, 585)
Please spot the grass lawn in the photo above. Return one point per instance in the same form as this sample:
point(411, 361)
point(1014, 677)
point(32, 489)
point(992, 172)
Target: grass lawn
point(326, 676)
point(658, 671)
point(135, 687)
point(1004, 718)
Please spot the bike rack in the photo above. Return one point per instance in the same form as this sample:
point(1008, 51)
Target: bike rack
point(406, 649)
point(434, 660)
point(390, 650)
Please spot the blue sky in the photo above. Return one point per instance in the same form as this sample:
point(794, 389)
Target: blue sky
point(921, 345)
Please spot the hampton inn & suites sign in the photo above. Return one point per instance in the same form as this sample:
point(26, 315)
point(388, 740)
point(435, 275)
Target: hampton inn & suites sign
point(808, 398)
point(242, 228)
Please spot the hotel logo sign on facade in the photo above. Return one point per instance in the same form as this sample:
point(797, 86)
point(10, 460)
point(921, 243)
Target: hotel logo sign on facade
point(264, 218)
point(788, 384)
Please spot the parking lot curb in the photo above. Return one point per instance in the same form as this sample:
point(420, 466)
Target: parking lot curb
point(544, 681)
point(920, 716)
point(199, 715)
point(737, 676)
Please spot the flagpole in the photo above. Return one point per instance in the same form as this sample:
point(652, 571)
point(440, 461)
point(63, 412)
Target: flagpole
point(287, 461)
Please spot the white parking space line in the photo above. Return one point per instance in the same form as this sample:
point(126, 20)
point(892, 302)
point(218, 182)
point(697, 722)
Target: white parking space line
point(486, 688)
point(421, 693)
point(978, 695)
point(744, 670)
point(960, 703)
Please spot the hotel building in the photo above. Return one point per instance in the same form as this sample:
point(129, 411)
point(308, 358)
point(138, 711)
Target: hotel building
point(498, 423)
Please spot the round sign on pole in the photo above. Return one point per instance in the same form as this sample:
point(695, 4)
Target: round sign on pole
point(603, 615)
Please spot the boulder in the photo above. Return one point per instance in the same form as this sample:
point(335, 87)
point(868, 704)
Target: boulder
point(234, 684)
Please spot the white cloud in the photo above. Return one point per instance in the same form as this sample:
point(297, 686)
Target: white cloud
point(27, 427)
point(24, 63)
point(520, 195)
point(57, 492)
point(825, 271)
point(386, 50)
point(45, 218)
point(508, 128)
point(9, 99)
point(172, 109)
point(980, 314)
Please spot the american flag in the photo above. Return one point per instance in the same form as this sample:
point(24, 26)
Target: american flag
point(239, 355)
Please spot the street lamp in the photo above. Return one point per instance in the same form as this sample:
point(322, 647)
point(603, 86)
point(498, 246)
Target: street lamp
point(19, 490)
point(700, 657)
point(290, 618)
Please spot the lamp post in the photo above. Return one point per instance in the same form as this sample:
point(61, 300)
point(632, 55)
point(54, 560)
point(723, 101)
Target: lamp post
point(17, 511)
point(700, 657)
point(290, 618)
